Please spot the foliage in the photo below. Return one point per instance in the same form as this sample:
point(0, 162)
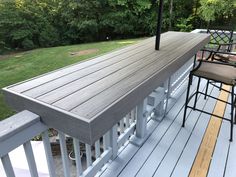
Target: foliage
point(212, 10)
point(27, 24)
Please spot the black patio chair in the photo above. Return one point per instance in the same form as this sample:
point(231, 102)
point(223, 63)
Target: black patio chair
point(221, 40)
point(218, 72)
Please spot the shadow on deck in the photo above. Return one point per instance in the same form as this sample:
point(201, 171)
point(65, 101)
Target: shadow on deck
point(171, 150)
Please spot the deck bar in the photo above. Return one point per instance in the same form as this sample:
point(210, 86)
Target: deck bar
point(64, 154)
point(6, 162)
point(113, 141)
point(121, 90)
point(97, 149)
point(30, 159)
point(48, 153)
point(79, 169)
point(159, 22)
point(88, 155)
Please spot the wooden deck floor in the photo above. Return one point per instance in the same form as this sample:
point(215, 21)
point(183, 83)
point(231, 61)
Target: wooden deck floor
point(172, 150)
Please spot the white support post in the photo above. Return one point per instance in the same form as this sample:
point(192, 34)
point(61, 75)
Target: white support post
point(141, 124)
point(30, 158)
point(113, 141)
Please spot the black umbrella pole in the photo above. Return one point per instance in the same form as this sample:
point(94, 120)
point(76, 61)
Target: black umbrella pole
point(159, 22)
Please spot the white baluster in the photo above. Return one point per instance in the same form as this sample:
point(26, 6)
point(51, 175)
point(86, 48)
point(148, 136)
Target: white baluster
point(113, 141)
point(127, 124)
point(79, 169)
point(6, 162)
point(106, 140)
point(97, 149)
point(48, 153)
point(88, 155)
point(64, 154)
point(30, 158)
point(122, 125)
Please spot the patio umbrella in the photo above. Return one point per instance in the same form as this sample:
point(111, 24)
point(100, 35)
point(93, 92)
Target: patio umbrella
point(159, 22)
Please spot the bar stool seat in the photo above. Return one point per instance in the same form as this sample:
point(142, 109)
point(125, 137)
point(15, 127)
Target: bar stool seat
point(217, 72)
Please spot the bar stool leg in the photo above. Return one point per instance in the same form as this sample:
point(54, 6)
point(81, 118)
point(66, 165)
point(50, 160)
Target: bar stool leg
point(195, 101)
point(208, 82)
point(232, 115)
point(234, 108)
point(220, 86)
point(186, 102)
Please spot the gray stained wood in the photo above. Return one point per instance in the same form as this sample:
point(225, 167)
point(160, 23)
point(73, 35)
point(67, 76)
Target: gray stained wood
point(86, 99)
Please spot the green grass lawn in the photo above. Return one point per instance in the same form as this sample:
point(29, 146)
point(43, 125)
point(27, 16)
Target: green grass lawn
point(25, 65)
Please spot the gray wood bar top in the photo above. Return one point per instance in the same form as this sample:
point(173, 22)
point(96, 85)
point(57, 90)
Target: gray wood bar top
point(86, 99)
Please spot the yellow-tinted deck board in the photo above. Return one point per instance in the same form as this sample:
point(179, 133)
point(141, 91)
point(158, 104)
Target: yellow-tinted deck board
point(203, 159)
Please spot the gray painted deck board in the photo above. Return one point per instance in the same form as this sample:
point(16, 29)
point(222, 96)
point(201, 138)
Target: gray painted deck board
point(195, 119)
point(160, 152)
point(136, 162)
point(117, 165)
point(186, 160)
point(106, 87)
point(178, 156)
point(230, 170)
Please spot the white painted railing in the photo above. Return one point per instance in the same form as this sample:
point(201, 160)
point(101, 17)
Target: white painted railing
point(89, 161)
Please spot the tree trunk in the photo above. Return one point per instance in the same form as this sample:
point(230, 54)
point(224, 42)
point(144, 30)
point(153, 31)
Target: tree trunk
point(171, 14)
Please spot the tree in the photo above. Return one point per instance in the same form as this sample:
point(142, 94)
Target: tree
point(212, 10)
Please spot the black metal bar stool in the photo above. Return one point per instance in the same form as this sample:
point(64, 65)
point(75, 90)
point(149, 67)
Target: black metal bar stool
point(224, 73)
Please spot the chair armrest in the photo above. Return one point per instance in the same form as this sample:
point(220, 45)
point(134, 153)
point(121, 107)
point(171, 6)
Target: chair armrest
point(226, 53)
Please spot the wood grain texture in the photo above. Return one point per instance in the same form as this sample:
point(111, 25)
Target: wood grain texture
point(96, 94)
point(203, 158)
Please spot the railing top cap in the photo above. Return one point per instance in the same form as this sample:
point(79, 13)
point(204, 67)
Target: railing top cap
point(17, 123)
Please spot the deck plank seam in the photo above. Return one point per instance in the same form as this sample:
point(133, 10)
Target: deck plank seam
point(182, 95)
point(86, 74)
point(188, 139)
point(196, 121)
point(183, 92)
point(73, 65)
point(146, 66)
point(176, 116)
